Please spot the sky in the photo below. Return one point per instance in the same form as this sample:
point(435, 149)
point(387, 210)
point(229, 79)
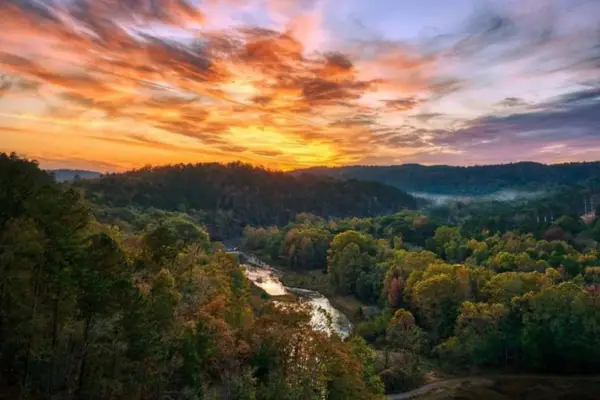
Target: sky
point(111, 85)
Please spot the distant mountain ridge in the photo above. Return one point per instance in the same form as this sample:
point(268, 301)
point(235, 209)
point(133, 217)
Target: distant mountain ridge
point(472, 180)
point(65, 175)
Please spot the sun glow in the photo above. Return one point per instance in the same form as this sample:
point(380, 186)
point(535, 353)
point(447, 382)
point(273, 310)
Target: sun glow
point(282, 150)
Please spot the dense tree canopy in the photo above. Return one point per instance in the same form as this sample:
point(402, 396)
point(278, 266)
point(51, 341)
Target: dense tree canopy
point(508, 300)
point(239, 194)
point(148, 307)
point(90, 312)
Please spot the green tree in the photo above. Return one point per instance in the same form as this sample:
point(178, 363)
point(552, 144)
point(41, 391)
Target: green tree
point(350, 254)
point(163, 244)
point(560, 329)
point(449, 243)
point(103, 287)
point(404, 335)
point(479, 329)
point(503, 287)
point(437, 299)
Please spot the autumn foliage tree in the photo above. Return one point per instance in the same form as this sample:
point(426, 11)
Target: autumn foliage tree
point(87, 311)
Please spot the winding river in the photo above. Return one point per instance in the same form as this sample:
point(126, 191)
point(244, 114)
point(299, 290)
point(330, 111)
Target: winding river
point(267, 278)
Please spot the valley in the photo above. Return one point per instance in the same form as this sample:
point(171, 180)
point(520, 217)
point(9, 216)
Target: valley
point(299, 200)
point(366, 297)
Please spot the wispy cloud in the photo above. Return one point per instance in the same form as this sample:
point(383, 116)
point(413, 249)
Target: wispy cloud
point(268, 93)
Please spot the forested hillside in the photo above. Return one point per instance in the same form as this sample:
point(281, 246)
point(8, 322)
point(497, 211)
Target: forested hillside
point(463, 297)
point(235, 195)
point(476, 180)
point(88, 312)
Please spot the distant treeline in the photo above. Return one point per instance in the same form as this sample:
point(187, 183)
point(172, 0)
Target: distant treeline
point(476, 180)
point(235, 195)
point(64, 175)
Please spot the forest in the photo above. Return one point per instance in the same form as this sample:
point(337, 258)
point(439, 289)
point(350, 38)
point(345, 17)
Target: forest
point(474, 180)
point(226, 198)
point(481, 293)
point(465, 297)
point(89, 312)
point(114, 288)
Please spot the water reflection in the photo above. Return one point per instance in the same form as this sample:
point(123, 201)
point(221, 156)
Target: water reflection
point(323, 312)
point(266, 280)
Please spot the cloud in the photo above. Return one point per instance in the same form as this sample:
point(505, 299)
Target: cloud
point(401, 104)
point(268, 153)
point(12, 129)
point(138, 140)
point(395, 66)
point(569, 118)
point(543, 37)
point(5, 85)
point(109, 60)
point(510, 102)
point(425, 117)
point(165, 67)
point(399, 138)
point(50, 160)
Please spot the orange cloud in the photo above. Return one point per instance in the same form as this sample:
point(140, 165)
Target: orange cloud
point(401, 104)
point(247, 88)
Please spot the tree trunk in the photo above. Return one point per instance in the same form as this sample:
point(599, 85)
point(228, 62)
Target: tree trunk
point(3, 298)
point(34, 307)
point(86, 334)
point(113, 368)
point(66, 384)
point(54, 341)
point(386, 353)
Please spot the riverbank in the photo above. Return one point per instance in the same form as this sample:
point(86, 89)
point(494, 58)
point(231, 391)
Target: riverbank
point(314, 286)
point(324, 316)
point(318, 281)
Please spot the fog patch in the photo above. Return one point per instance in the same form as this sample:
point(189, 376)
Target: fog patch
point(438, 199)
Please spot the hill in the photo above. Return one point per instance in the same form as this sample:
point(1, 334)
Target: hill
point(89, 312)
point(238, 194)
point(475, 180)
point(64, 175)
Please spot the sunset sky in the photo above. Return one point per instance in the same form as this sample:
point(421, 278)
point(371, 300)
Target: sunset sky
point(110, 85)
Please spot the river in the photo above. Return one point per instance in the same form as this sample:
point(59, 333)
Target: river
point(267, 278)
